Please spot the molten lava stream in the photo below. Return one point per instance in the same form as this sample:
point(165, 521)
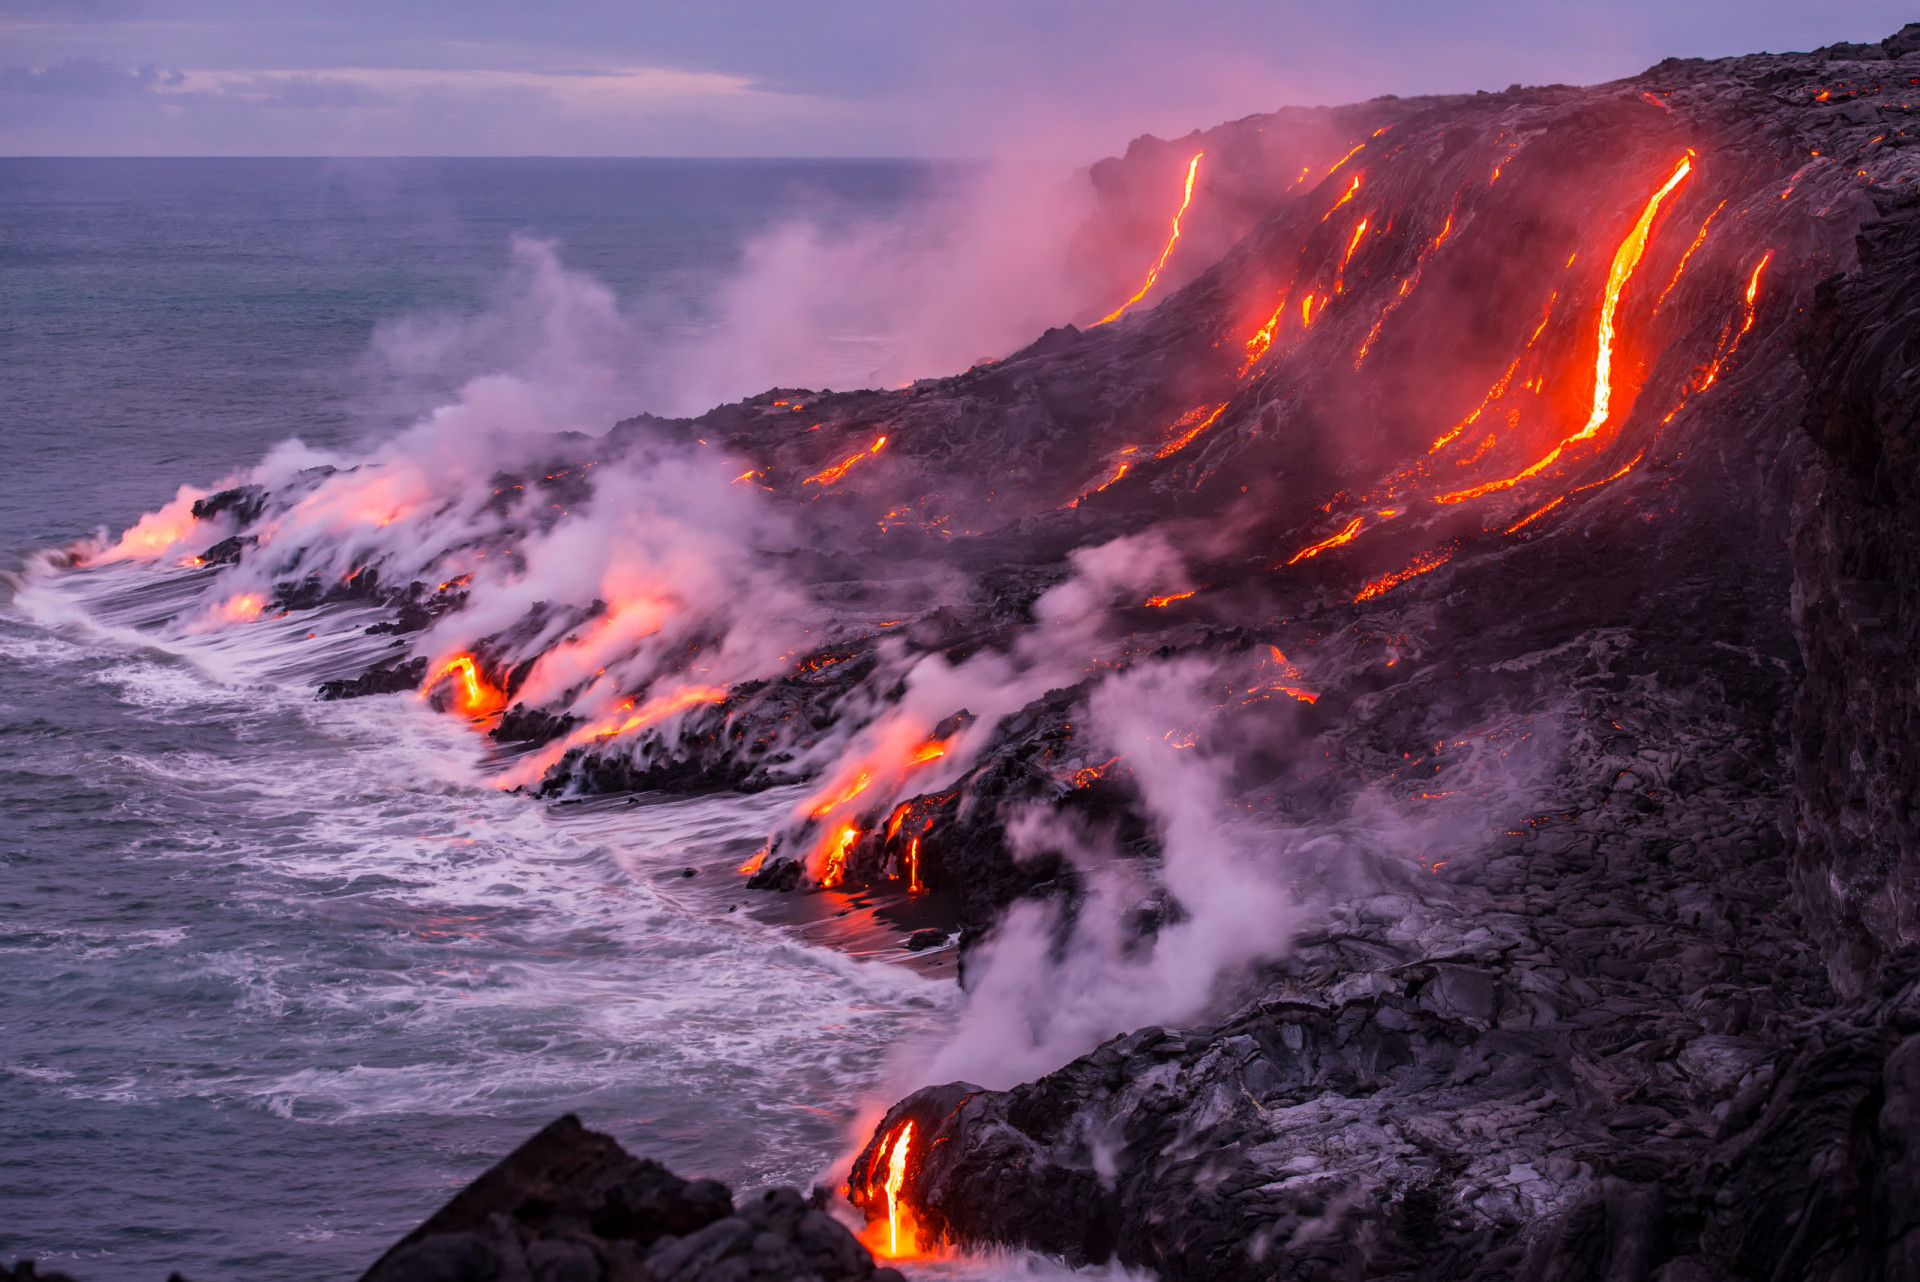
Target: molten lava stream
point(829, 475)
point(473, 694)
point(1153, 273)
point(1625, 259)
point(898, 1236)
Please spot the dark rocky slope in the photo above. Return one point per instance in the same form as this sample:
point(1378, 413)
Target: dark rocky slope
point(1604, 1044)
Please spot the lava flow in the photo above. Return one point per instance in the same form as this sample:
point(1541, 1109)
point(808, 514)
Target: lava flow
point(473, 694)
point(827, 476)
point(901, 1237)
point(1625, 260)
point(1153, 273)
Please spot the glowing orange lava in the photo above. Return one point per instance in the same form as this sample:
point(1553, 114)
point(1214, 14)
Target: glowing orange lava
point(838, 470)
point(1345, 196)
point(243, 608)
point(1169, 599)
point(1344, 536)
point(1419, 565)
point(913, 868)
point(753, 863)
point(1196, 422)
point(1153, 273)
point(1088, 774)
point(1681, 268)
point(1499, 388)
point(931, 750)
point(1119, 473)
point(1289, 678)
point(1535, 515)
point(473, 694)
point(852, 790)
point(1730, 343)
point(1625, 259)
point(1344, 159)
point(1353, 243)
point(834, 871)
point(659, 708)
point(1263, 337)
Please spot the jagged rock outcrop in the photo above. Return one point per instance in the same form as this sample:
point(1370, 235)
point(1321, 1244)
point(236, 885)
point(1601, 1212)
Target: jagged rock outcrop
point(570, 1205)
point(1856, 596)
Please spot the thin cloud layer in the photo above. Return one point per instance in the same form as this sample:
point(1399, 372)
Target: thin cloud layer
point(754, 77)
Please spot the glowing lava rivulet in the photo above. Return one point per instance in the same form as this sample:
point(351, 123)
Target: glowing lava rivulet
point(1153, 273)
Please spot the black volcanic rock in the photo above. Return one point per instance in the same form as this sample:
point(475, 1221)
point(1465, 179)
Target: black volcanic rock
point(1601, 1043)
point(570, 1205)
point(1856, 596)
point(28, 1271)
point(244, 504)
point(388, 678)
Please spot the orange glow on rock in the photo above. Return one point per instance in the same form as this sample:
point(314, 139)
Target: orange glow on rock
point(1419, 565)
point(1344, 159)
point(834, 870)
point(243, 608)
point(664, 706)
point(1535, 515)
point(156, 532)
point(1169, 599)
point(1499, 388)
point(1263, 337)
point(1289, 678)
point(1196, 422)
point(852, 790)
point(1345, 196)
point(1344, 536)
point(896, 1180)
point(1681, 268)
point(829, 475)
point(1353, 243)
point(1153, 273)
point(473, 694)
point(1625, 259)
point(1119, 473)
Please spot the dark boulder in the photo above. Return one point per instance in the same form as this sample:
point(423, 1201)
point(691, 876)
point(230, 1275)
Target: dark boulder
point(385, 678)
point(571, 1205)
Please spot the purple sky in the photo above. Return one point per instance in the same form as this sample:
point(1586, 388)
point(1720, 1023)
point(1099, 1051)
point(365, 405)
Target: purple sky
point(1055, 78)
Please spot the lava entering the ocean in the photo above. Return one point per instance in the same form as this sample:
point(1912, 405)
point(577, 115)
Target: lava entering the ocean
point(473, 694)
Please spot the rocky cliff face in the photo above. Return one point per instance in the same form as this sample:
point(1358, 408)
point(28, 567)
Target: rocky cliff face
point(1856, 600)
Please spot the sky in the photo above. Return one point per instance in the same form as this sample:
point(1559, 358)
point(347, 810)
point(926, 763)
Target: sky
point(1041, 78)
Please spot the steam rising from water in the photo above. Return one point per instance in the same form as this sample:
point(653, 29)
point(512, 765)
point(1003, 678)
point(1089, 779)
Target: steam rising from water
point(1052, 987)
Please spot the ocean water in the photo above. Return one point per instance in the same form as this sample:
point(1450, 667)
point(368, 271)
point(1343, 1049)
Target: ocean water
point(277, 976)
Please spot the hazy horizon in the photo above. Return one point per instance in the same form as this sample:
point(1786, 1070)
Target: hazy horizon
point(746, 79)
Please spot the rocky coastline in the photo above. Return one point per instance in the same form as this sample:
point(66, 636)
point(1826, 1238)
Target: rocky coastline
point(1596, 799)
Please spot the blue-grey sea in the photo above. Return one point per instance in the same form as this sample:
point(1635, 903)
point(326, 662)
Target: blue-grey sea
point(277, 976)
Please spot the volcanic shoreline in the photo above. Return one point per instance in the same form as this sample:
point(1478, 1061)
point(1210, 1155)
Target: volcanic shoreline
point(1522, 488)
